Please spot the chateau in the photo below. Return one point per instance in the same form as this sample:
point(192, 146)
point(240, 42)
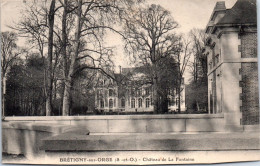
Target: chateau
point(130, 91)
point(231, 49)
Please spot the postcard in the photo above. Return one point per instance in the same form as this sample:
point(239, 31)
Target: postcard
point(136, 82)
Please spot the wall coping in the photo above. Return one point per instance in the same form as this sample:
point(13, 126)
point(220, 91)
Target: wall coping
point(44, 127)
point(114, 117)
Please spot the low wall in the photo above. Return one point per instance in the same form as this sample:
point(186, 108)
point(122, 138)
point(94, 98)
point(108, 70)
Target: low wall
point(26, 138)
point(25, 135)
point(136, 123)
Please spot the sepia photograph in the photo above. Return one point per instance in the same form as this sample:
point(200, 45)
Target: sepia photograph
point(137, 82)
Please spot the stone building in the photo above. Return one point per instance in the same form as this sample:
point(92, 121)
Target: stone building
point(130, 91)
point(231, 49)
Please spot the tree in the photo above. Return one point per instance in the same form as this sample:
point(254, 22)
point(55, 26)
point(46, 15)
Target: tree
point(93, 18)
point(25, 90)
point(68, 83)
point(50, 58)
point(167, 79)
point(83, 95)
point(149, 39)
point(74, 45)
point(37, 26)
point(9, 54)
point(198, 66)
point(198, 69)
point(182, 61)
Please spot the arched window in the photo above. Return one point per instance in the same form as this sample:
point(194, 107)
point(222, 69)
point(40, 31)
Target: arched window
point(123, 103)
point(133, 103)
point(140, 102)
point(147, 102)
point(101, 103)
point(110, 103)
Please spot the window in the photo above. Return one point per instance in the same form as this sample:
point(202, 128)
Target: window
point(110, 103)
point(140, 103)
point(147, 102)
point(110, 92)
point(132, 92)
point(99, 92)
point(139, 92)
point(102, 103)
point(123, 103)
point(147, 91)
point(217, 58)
point(133, 103)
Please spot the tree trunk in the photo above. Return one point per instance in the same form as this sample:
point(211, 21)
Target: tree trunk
point(164, 102)
point(68, 80)
point(50, 53)
point(66, 99)
point(155, 95)
point(64, 50)
point(198, 107)
point(179, 97)
point(179, 85)
point(3, 90)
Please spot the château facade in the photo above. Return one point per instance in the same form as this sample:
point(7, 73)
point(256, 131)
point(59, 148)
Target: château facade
point(130, 91)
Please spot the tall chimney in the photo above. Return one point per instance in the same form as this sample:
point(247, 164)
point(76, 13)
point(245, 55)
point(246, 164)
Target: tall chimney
point(220, 6)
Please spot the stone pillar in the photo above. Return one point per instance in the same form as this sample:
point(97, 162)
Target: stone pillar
point(231, 78)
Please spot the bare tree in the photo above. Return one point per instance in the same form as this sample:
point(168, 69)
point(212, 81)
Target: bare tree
point(75, 44)
point(93, 19)
point(182, 61)
point(49, 88)
point(150, 38)
point(37, 26)
point(198, 67)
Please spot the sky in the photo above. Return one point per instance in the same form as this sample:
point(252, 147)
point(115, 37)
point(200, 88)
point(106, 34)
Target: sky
point(188, 14)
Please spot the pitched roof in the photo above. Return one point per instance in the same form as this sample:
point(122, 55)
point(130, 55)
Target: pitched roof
point(243, 12)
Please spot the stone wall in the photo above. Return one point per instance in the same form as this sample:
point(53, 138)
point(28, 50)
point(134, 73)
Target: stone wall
point(249, 83)
point(249, 45)
point(136, 123)
point(21, 137)
point(249, 96)
point(24, 135)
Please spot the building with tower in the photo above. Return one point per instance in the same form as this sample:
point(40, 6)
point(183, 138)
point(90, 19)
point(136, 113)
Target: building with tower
point(231, 50)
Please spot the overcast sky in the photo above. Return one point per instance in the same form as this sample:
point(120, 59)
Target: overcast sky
point(188, 13)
